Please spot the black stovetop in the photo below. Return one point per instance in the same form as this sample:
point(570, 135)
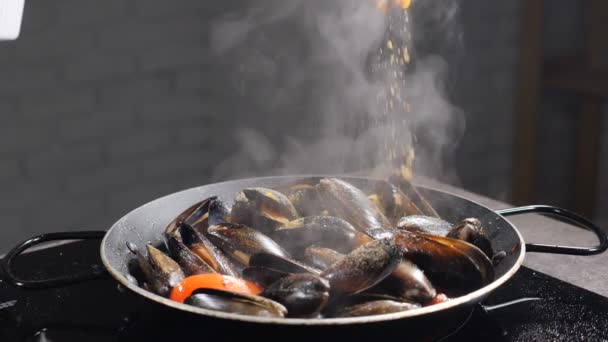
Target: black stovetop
point(100, 310)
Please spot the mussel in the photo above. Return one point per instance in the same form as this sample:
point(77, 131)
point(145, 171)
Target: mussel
point(303, 294)
point(321, 257)
point(394, 203)
point(216, 212)
point(364, 267)
point(407, 282)
point(241, 242)
point(412, 192)
point(219, 212)
point(304, 198)
point(453, 265)
point(263, 209)
point(187, 260)
point(325, 231)
point(206, 250)
point(376, 307)
point(471, 231)
point(477, 256)
point(190, 215)
point(346, 201)
point(234, 302)
point(424, 224)
point(201, 215)
point(160, 272)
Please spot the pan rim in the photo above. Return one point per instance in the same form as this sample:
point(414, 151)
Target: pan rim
point(475, 296)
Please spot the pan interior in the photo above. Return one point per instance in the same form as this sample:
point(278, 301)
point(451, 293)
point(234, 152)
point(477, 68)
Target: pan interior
point(146, 224)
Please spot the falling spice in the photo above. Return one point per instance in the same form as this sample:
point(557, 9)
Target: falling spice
point(390, 67)
point(385, 5)
point(406, 55)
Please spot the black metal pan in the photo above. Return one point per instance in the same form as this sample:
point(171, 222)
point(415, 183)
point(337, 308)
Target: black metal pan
point(146, 224)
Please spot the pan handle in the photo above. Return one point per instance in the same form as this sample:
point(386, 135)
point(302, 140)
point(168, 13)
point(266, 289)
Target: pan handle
point(566, 216)
point(11, 277)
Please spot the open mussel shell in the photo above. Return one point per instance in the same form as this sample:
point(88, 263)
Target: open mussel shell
point(190, 215)
point(394, 202)
point(412, 193)
point(364, 267)
point(201, 214)
point(407, 282)
point(337, 304)
point(454, 266)
point(243, 210)
point(211, 212)
point(471, 231)
point(187, 260)
point(321, 257)
point(376, 307)
point(346, 201)
point(303, 294)
point(304, 198)
point(367, 296)
point(234, 302)
point(325, 231)
point(479, 258)
point(263, 209)
point(280, 263)
point(425, 224)
point(160, 272)
point(207, 212)
point(241, 242)
point(219, 212)
point(206, 250)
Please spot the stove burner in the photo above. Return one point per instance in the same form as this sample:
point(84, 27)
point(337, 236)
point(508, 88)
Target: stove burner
point(530, 307)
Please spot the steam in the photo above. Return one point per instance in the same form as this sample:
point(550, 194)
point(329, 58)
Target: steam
point(304, 67)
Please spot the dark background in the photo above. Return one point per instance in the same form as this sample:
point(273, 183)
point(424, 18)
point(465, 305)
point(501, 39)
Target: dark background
point(105, 105)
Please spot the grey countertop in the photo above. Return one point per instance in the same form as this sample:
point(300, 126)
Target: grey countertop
point(589, 272)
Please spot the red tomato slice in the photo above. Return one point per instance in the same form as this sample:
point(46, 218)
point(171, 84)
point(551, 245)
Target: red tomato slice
point(216, 281)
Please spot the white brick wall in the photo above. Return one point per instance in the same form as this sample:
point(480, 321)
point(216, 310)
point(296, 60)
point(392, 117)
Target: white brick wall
point(103, 107)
